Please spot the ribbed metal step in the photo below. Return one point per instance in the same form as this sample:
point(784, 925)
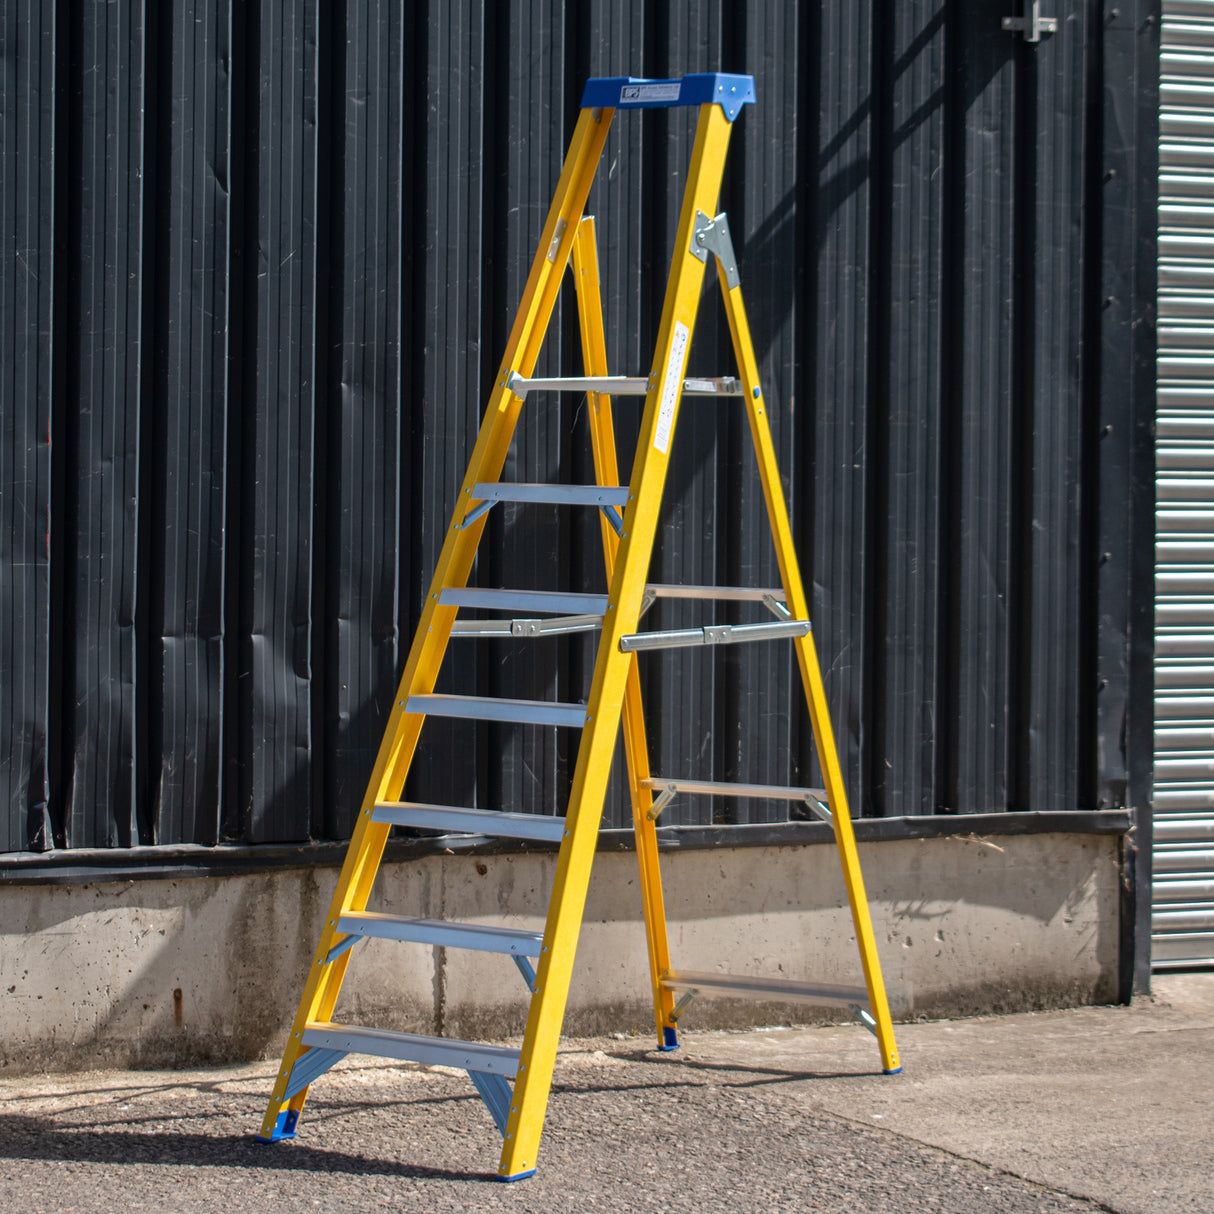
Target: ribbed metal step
point(443, 933)
point(764, 988)
point(608, 498)
point(490, 708)
point(714, 634)
point(554, 601)
point(455, 820)
point(410, 1047)
point(551, 495)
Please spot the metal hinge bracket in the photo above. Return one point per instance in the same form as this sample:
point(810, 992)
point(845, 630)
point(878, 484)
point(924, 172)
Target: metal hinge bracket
point(712, 236)
point(1032, 24)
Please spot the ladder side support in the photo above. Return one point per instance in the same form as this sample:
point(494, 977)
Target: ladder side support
point(612, 666)
point(636, 747)
point(811, 675)
point(396, 751)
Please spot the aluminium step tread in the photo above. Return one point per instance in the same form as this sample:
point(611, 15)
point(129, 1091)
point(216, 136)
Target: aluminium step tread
point(550, 495)
point(412, 1047)
point(492, 599)
point(458, 820)
point(496, 708)
point(442, 932)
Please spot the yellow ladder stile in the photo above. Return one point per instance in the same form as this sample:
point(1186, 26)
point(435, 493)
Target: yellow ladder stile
point(629, 518)
point(606, 468)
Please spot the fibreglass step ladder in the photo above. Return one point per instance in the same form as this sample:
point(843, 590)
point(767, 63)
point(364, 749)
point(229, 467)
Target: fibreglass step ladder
point(628, 516)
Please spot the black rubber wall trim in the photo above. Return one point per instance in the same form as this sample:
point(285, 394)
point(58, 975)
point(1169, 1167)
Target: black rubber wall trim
point(80, 867)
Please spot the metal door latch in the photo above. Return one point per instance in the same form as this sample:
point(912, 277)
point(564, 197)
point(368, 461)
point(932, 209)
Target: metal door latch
point(1032, 25)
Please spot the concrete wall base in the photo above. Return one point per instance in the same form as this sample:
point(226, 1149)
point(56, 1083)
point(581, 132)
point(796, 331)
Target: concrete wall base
point(188, 971)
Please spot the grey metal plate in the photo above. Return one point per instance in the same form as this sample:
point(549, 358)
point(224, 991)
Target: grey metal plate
point(487, 708)
point(442, 933)
point(553, 601)
point(457, 820)
point(551, 495)
point(410, 1047)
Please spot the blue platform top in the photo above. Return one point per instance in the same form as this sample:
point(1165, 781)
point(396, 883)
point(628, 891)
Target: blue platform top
point(632, 93)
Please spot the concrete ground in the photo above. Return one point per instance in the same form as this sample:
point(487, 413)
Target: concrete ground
point(1093, 1109)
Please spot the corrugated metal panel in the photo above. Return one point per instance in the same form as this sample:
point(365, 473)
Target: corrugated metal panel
point(1183, 860)
point(102, 792)
point(985, 458)
point(277, 432)
point(27, 263)
point(190, 726)
point(361, 452)
point(757, 681)
point(841, 472)
point(909, 453)
point(301, 236)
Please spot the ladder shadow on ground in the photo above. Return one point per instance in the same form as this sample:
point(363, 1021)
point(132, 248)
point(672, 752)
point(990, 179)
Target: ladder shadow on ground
point(43, 1139)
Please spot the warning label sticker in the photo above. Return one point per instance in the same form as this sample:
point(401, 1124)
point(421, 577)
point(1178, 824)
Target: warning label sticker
point(667, 90)
point(670, 388)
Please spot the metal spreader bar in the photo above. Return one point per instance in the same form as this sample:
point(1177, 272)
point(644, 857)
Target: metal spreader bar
point(561, 625)
point(622, 385)
point(713, 634)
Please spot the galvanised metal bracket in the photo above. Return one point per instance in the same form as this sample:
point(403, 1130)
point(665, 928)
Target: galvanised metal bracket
point(712, 236)
point(1032, 24)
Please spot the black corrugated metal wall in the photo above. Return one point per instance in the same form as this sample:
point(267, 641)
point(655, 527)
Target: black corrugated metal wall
point(258, 263)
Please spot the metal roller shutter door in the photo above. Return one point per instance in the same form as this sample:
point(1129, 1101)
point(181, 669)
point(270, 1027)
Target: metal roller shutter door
point(1183, 897)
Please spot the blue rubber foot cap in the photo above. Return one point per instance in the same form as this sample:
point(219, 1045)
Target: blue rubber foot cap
point(284, 1127)
point(670, 1040)
point(517, 1176)
point(896, 1071)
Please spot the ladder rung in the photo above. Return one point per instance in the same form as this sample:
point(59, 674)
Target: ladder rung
point(623, 385)
point(490, 708)
point(410, 1047)
point(714, 634)
point(764, 988)
point(443, 933)
point(551, 495)
point(455, 820)
point(725, 788)
point(522, 600)
point(727, 594)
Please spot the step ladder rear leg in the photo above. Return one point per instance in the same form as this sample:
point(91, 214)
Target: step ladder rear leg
point(585, 267)
point(807, 657)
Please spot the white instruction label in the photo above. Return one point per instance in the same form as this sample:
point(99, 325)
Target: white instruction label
point(666, 91)
point(670, 387)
